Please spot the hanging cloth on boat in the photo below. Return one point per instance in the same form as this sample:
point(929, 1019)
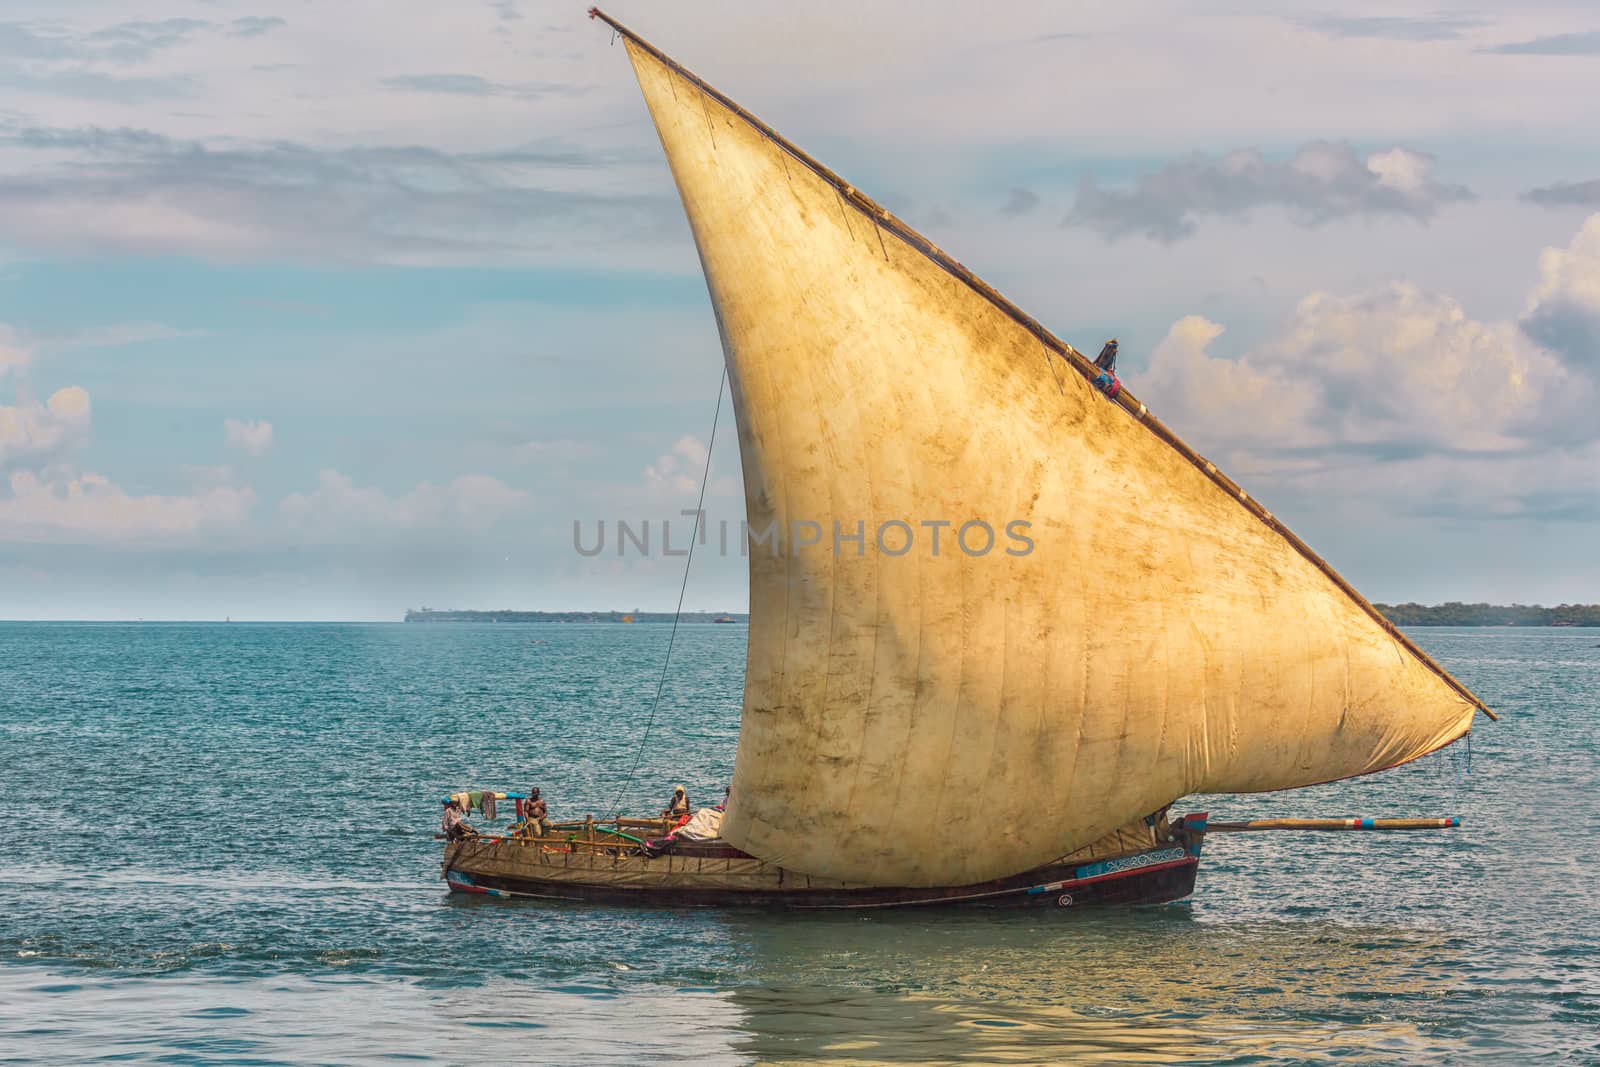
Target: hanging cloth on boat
point(703, 825)
point(489, 805)
point(659, 846)
point(475, 799)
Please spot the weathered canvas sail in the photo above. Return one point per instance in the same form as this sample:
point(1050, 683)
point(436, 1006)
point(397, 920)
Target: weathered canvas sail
point(939, 718)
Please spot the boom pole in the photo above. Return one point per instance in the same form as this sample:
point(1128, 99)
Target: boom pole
point(1448, 823)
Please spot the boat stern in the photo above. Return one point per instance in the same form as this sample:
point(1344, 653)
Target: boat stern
point(1190, 832)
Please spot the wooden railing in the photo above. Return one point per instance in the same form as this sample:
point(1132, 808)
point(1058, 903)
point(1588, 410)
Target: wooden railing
point(589, 834)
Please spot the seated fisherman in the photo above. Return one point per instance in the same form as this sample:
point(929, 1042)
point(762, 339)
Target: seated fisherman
point(678, 806)
point(1107, 359)
point(535, 812)
point(455, 822)
point(1106, 363)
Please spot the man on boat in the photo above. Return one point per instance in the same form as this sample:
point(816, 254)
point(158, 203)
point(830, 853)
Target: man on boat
point(455, 822)
point(535, 815)
point(678, 806)
point(1106, 363)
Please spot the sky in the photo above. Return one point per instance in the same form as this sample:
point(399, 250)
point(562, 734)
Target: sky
point(317, 311)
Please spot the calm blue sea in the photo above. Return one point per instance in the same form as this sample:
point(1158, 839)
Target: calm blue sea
point(216, 848)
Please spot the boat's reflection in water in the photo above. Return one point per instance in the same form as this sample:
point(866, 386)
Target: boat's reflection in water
point(718, 989)
point(1147, 986)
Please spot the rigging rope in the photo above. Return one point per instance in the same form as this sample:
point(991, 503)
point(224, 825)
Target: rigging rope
point(699, 515)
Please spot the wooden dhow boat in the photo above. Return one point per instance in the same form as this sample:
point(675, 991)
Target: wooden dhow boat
point(969, 721)
point(1148, 862)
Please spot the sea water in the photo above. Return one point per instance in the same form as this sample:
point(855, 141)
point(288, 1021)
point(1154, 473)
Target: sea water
point(216, 847)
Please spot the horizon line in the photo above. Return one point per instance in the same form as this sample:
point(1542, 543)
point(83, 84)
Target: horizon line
point(400, 619)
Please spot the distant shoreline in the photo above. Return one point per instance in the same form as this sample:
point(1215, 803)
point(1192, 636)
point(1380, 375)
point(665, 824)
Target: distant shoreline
point(1450, 614)
point(1455, 613)
point(428, 615)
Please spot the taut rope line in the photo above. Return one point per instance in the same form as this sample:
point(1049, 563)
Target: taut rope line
point(699, 515)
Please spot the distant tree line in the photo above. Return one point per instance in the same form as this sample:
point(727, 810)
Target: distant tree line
point(1451, 614)
point(1459, 614)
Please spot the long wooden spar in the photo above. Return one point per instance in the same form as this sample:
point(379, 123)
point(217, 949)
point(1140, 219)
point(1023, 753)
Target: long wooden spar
point(1449, 823)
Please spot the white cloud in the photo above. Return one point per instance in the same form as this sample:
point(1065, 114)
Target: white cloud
point(338, 510)
point(46, 499)
point(1193, 389)
point(1403, 170)
point(102, 190)
point(1564, 311)
point(87, 509)
point(1573, 273)
point(678, 472)
point(253, 437)
point(1399, 365)
point(1319, 183)
point(34, 431)
point(1398, 394)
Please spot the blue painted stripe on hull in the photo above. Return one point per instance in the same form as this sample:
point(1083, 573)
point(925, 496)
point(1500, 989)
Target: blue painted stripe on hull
point(1128, 863)
point(463, 883)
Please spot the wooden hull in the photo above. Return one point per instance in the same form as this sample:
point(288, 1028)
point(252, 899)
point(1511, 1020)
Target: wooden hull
point(725, 877)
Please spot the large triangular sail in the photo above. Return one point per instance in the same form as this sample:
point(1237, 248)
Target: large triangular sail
point(921, 717)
